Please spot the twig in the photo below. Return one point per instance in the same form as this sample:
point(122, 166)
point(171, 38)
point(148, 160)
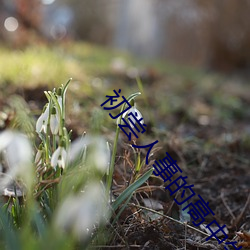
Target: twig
point(225, 204)
point(202, 167)
point(117, 233)
point(57, 180)
point(140, 189)
point(185, 223)
point(179, 222)
point(237, 220)
point(149, 188)
point(173, 202)
point(196, 244)
point(48, 185)
point(117, 246)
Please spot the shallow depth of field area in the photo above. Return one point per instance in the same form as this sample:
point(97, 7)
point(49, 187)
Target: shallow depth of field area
point(71, 179)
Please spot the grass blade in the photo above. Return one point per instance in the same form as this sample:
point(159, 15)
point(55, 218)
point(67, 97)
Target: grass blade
point(128, 191)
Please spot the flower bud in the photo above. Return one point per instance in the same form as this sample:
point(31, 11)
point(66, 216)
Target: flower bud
point(42, 121)
point(54, 122)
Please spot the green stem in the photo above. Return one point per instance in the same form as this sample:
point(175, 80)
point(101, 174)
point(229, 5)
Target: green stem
point(112, 164)
point(65, 87)
point(59, 111)
point(46, 147)
point(47, 140)
point(147, 105)
point(54, 142)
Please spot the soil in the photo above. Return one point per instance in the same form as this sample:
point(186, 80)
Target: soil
point(213, 153)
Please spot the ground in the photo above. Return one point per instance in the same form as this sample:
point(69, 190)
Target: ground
point(200, 118)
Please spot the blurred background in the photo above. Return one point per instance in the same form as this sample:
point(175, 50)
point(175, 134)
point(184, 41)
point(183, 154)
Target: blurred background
point(193, 57)
point(212, 34)
point(193, 60)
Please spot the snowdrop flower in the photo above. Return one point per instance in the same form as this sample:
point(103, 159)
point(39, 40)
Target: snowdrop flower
point(79, 214)
point(59, 99)
point(59, 157)
point(77, 148)
point(39, 154)
point(17, 152)
point(98, 154)
point(54, 121)
point(136, 113)
point(42, 122)
point(101, 154)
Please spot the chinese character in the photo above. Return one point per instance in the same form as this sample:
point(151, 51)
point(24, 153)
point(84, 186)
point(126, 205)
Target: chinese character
point(113, 99)
point(146, 146)
point(216, 232)
point(168, 168)
point(233, 244)
point(132, 124)
point(172, 191)
point(199, 210)
point(183, 193)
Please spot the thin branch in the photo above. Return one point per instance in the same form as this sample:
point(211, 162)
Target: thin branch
point(225, 204)
point(237, 220)
point(117, 246)
point(179, 222)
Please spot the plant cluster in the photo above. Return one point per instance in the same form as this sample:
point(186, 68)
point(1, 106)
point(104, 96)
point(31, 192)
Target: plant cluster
point(59, 192)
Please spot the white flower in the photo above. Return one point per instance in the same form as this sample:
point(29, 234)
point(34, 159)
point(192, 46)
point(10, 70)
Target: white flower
point(59, 99)
point(42, 122)
point(79, 214)
point(136, 113)
point(77, 148)
point(54, 121)
point(98, 152)
point(17, 152)
point(39, 154)
point(59, 158)
point(101, 155)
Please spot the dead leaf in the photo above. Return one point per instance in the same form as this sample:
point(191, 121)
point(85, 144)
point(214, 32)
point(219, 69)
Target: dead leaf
point(245, 237)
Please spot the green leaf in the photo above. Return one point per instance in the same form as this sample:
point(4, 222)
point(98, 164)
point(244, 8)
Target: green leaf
point(133, 96)
point(11, 237)
point(122, 208)
point(39, 222)
point(65, 87)
point(128, 191)
point(138, 163)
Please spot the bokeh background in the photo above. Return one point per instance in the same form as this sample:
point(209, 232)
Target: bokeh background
point(193, 60)
point(212, 34)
